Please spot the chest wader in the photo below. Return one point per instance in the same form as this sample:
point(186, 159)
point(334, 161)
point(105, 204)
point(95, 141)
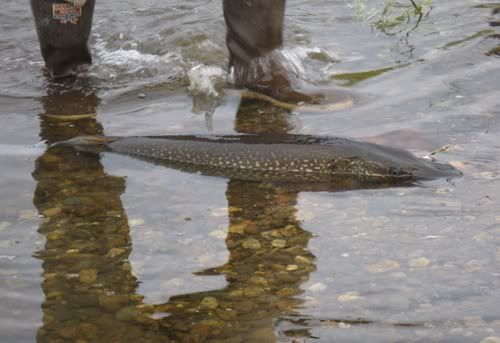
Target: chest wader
point(255, 40)
point(63, 30)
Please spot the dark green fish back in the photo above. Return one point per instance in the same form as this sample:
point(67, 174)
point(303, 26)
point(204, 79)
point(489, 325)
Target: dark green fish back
point(287, 158)
point(233, 157)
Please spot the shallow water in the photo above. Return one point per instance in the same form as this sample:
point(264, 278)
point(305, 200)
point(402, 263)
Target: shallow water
point(112, 249)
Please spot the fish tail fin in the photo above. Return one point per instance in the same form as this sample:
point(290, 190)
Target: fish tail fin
point(87, 141)
point(92, 140)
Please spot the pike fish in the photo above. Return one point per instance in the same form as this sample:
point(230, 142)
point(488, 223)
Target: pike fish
point(275, 158)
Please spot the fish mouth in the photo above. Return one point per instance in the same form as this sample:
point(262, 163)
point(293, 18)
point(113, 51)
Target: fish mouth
point(433, 170)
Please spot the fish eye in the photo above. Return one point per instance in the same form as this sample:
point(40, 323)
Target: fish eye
point(394, 171)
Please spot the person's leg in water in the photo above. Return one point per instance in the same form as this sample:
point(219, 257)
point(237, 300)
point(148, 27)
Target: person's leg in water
point(63, 29)
point(254, 39)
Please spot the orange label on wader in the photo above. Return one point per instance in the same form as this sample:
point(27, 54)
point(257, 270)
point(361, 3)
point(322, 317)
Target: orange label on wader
point(66, 13)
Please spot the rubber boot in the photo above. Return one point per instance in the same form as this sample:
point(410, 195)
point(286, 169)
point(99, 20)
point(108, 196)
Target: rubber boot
point(63, 31)
point(254, 39)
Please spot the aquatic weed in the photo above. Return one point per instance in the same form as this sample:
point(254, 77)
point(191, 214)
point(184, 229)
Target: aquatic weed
point(393, 16)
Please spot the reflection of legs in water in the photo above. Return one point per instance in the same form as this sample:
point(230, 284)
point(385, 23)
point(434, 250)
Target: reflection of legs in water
point(494, 22)
point(268, 259)
point(88, 284)
point(268, 262)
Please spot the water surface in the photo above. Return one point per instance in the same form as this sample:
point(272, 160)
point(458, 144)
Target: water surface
point(106, 248)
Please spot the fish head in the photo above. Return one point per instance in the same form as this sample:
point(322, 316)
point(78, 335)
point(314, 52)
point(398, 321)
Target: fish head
point(402, 163)
point(423, 169)
point(369, 169)
point(389, 163)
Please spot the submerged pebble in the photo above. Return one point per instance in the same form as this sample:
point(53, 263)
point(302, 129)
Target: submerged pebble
point(420, 262)
point(219, 234)
point(55, 235)
point(27, 214)
point(251, 243)
point(4, 225)
point(127, 313)
point(252, 291)
point(88, 276)
point(491, 339)
point(113, 252)
point(209, 303)
point(87, 330)
point(135, 222)
point(286, 292)
point(303, 260)
point(7, 257)
point(113, 302)
point(226, 314)
point(237, 228)
point(384, 266)
point(317, 287)
point(278, 243)
point(52, 212)
point(349, 296)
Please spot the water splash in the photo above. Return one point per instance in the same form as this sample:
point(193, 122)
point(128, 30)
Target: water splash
point(206, 80)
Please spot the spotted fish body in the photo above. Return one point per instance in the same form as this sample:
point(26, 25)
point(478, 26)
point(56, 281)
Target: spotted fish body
point(277, 158)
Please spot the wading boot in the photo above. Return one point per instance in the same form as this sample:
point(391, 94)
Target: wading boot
point(63, 29)
point(254, 40)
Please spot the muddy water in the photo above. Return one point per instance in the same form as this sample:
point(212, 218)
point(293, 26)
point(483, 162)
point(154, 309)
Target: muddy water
point(106, 248)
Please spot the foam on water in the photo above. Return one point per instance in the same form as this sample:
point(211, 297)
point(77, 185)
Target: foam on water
point(125, 64)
